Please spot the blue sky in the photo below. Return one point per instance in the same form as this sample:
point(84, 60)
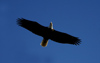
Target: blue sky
point(80, 18)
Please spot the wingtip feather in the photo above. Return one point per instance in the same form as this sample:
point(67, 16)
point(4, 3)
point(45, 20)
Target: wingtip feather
point(77, 42)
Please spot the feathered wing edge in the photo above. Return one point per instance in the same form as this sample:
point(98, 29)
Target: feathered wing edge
point(64, 38)
point(33, 26)
point(78, 41)
point(19, 21)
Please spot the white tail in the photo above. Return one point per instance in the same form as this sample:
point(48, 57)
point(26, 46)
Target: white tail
point(44, 42)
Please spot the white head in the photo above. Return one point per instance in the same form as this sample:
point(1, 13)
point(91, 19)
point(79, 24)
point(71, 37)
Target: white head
point(51, 25)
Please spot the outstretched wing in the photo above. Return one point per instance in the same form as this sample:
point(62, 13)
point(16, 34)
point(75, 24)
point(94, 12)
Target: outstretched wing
point(47, 32)
point(64, 38)
point(34, 27)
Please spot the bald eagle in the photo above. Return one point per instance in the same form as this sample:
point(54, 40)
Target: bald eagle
point(47, 32)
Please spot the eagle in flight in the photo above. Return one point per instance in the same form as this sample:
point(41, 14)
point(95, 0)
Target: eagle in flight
point(47, 32)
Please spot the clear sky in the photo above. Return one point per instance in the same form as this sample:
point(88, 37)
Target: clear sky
point(80, 18)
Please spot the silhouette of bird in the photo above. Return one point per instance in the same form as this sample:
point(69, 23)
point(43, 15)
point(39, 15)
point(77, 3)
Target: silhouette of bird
point(47, 32)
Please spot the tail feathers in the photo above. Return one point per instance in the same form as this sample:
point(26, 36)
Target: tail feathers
point(44, 42)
